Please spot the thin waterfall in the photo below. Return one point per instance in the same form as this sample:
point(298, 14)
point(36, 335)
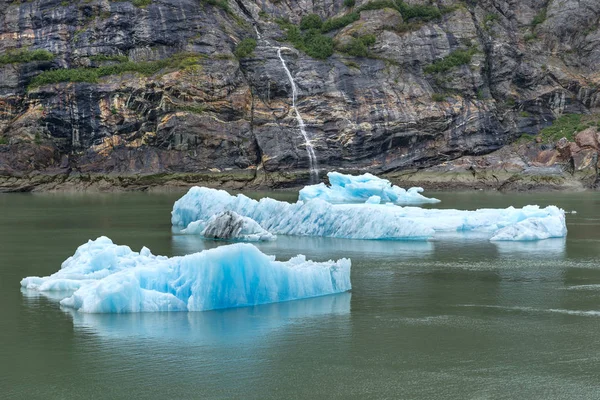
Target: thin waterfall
point(312, 157)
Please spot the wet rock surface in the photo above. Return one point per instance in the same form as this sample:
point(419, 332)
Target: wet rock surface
point(214, 117)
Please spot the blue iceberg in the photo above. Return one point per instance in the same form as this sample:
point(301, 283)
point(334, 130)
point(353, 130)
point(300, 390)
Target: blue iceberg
point(107, 278)
point(362, 221)
point(361, 189)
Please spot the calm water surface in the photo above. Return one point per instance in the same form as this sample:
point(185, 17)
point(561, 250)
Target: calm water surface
point(454, 318)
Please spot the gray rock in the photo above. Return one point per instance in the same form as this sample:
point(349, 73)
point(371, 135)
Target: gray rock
point(215, 113)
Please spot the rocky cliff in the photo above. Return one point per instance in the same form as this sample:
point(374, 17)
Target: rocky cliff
point(146, 91)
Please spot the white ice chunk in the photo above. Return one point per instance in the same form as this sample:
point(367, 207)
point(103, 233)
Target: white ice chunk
point(229, 225)
point(358, 189)
point(228, 276)
point(533, 229)
point(356, 221)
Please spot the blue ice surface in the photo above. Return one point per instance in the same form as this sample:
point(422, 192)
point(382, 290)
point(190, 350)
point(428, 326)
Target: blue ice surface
point(107, 278)
point(363, 188)
point(369, 221)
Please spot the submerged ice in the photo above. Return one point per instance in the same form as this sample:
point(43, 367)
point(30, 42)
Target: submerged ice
point(367, 220)
point(108, 278)
point(363, 188)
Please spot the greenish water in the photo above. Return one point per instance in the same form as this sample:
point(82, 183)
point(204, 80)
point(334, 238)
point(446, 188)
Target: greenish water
point(455, 318)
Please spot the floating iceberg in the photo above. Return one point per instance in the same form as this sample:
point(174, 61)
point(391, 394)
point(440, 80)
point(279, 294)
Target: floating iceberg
point(363, 188)
point(108, 278)
point(229, 225)
point(311, 218)
point(361, 221)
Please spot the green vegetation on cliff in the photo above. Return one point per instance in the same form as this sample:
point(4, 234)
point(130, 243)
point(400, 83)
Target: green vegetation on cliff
point(567, 126)
point(245, 48)
point(455, 59)
point(308, 36)
point(310, 41)
point(359, 46)
point(25, 56)
point(339, 22)
point(539, 18)
point(420, 12)
point(141, 3)
point(91, 75)
point(311, 21)
point(137, 3)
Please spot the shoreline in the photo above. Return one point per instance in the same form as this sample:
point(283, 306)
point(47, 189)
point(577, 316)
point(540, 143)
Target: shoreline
point(430, 180)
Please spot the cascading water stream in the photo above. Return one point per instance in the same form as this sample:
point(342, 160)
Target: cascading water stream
point(312, 157)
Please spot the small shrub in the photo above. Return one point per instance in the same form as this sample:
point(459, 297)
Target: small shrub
point(245, 48)
point(529, 37)
point(539, 18)
point(340, 22)
point(491, 18)
point(454, 59)
point(104, 57)
point(368, 40)
point(349, 3)
point(312, 42)
point(358, 47)
point(294, 35)
point(422, 12)
point(438, 97)
point(141, 3)
point(311, 21)
point(318, 45)
point(3, 140)
point(377, 5)
point(223, 4)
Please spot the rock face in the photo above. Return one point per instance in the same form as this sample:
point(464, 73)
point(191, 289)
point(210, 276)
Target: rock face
point(186, 104)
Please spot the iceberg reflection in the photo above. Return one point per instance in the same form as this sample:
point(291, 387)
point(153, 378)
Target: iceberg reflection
point(227, 325)
point(549, 248)
point(319, 248)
